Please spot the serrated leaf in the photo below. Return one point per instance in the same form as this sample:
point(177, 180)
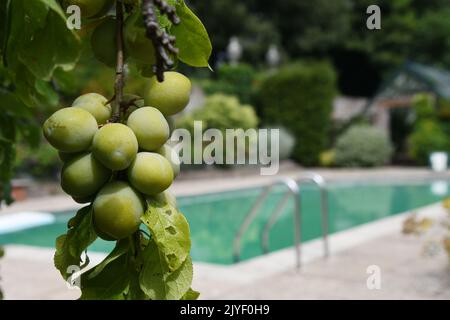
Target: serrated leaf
point(70, 246)
point(158, 282)
point(170, 231)
point(37, 43)
point(191, 295)
point(119, 250)
point(45, 90)
point(192, 38)
point(51, 47)
point(110, 284)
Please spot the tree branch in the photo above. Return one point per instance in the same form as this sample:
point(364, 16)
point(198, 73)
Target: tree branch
point(119, 82)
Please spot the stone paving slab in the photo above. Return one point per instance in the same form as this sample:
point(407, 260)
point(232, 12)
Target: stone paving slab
point(405, 274)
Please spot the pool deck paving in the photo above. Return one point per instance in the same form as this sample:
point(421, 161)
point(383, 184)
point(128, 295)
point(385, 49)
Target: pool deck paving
point(405, 273)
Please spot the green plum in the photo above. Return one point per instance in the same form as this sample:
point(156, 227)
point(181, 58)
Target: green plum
point(70, 129)
point(95, 104)
point(83, 200)
point(118, 209)
point(67, 156)
point(150, 127)
point(172, 156)
point(166, 197)
point(150, 173)
point(83, 176)
point(170, 96)
point(102, 235)
point(115, 146)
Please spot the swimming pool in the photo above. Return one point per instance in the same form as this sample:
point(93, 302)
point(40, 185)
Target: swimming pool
point(215, 218)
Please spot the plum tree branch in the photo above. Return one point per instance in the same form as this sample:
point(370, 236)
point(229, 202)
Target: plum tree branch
point(163, 42)
point(119, 82)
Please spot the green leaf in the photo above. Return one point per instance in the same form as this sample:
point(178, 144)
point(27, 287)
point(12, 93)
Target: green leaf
point(120, 249)
point(192, 38)
point(12, 105)
point(134, 290)
point(42, 42)
point(37, 42)
point(170, 231)
point(70, 246)
point(110, 284)
point(5, 25)
point(191, 295)
point(158, 282)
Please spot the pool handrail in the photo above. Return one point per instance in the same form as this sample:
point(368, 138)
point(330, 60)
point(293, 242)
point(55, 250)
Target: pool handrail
point(321, 183)
point(293, 190)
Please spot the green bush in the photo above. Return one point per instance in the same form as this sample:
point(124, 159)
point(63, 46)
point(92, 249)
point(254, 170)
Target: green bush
point(424, 106)
point(221, 112)
point(362, 146)
point(286, 143)
point(300, 97)
point(444, 109)
point(232, 80)
point(427, 137)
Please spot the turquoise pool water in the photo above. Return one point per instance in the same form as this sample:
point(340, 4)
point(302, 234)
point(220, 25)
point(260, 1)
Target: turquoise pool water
point(215, 218)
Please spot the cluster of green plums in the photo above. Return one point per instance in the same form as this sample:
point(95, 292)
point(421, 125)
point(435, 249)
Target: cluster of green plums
point(115, 166)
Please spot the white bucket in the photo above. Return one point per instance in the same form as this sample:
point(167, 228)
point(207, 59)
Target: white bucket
point(438, 161)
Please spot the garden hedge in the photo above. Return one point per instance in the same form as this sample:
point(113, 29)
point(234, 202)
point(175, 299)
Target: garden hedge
point(300, 98)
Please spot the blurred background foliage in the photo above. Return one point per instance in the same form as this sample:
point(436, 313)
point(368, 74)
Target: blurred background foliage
point(336, 30)
point(325, 49)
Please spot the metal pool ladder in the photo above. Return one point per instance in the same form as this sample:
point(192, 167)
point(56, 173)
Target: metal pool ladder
point(293, 191)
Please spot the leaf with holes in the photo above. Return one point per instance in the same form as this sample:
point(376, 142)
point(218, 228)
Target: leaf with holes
point(170, 230)
point(158, 282)
point(119, 250)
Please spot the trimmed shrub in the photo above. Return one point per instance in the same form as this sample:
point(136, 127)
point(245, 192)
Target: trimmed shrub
point(362, 146)
point(300, 97)
point(286, 143)
point(427, 137)
point(233, 80)
point(221, 112)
